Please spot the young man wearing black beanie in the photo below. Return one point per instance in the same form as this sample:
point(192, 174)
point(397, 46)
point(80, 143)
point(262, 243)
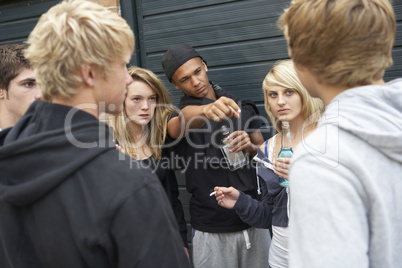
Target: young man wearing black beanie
point(219, 235)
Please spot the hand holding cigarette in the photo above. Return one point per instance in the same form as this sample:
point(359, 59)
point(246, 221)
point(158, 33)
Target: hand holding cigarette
point(226, 197)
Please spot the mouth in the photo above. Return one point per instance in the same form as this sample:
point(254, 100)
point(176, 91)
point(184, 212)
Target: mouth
point(283, 111)
point(144, 115)
point(200, 90)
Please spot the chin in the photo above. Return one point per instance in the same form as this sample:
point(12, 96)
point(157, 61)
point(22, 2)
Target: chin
point(143, 123)
point(285, 118)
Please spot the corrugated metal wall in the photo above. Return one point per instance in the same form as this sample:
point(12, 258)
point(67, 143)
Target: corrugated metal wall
point(238, 39)
point(19, 17)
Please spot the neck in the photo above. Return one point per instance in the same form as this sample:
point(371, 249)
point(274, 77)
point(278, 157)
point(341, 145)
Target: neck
point(142, 149)
point(7, 119)
point(83, 100)
point(299, 131)
point(328, 92)
point(211, 92)
point(135, 130)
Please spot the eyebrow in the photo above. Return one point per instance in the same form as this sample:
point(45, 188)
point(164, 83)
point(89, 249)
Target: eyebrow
point(181, 79)
point(184, 77)
point(141, 96)
point(28, 80)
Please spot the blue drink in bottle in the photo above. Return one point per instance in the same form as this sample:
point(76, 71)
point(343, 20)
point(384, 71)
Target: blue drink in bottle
point(286, 150)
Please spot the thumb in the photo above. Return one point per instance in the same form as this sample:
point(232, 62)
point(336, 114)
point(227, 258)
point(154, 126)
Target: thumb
point(224, 190)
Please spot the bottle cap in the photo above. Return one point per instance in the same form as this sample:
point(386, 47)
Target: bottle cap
point(225, 130)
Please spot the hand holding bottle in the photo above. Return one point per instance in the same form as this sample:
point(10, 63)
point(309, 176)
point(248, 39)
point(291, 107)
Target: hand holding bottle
point(240, 140)
point(281, 167)
point(286, 152)
point(234, 159)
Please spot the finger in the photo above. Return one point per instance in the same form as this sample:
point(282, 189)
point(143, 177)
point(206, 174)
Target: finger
point(236, 113)
point(282, 166)
point(223, 107)
point(281, 174)
point(234, 109)
point(242, 142)
point(216, 115)
point(236, 134)
point(224, 190)
point(284, 160)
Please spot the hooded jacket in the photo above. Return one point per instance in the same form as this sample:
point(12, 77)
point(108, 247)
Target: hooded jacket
point(346, 183)
point(68, 198)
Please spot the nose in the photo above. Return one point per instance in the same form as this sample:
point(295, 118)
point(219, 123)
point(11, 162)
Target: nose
point(38, 93)
point(281, 99)
point(145, 105)
point(129, 79)
point(195, 81)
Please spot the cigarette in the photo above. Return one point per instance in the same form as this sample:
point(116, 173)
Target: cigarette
point(213, 193)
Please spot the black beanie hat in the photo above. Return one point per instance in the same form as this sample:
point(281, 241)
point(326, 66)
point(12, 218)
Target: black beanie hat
point(175, 56)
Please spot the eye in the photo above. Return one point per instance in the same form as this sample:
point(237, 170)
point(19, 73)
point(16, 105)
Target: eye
point(289, 91)
point(136, 99)
point(273, 94)
point(184, 80)
point(30, 84)
point(152, 99)
point(197, 71)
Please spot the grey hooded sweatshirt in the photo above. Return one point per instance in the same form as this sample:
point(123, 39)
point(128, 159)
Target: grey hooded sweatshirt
point(346, 183)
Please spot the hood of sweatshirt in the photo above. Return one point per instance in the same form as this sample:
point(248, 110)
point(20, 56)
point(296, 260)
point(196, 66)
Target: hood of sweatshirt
point(374, 114)
point(46, 146)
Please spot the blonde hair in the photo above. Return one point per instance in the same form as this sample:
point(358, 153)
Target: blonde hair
point(283, 74)
point(70, 35)
point(342, 42)
point(157, 127)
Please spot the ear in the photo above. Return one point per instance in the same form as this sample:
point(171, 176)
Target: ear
point(88, 75)
point(177, 87)
point(3, 94)
point(205, 66)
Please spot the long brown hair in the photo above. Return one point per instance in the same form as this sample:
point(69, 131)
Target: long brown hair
point(156, 130)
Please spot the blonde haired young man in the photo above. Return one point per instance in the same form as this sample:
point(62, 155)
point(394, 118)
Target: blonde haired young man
point(346, 176)
point(66, 199)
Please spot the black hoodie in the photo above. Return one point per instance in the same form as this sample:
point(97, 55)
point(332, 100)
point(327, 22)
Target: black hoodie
point(68, 198)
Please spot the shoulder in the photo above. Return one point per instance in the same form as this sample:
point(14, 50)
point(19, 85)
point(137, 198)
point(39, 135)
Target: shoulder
point(265, 144)
point(120, 169)
point(268, 142)
point(187, 100)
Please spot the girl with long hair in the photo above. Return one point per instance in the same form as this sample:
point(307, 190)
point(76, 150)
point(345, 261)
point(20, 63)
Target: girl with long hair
point(141, 132)
point(286, 100)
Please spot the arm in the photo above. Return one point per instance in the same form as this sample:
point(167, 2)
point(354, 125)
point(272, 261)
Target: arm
point(145, 232)
point(251, 211)
point(173, 188)
point(194, 117)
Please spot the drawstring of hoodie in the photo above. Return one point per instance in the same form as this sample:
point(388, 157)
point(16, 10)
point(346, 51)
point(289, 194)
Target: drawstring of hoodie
point(258, 182)
point(247, 239)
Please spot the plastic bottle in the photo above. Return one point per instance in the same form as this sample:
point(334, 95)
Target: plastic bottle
point(286, 149)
